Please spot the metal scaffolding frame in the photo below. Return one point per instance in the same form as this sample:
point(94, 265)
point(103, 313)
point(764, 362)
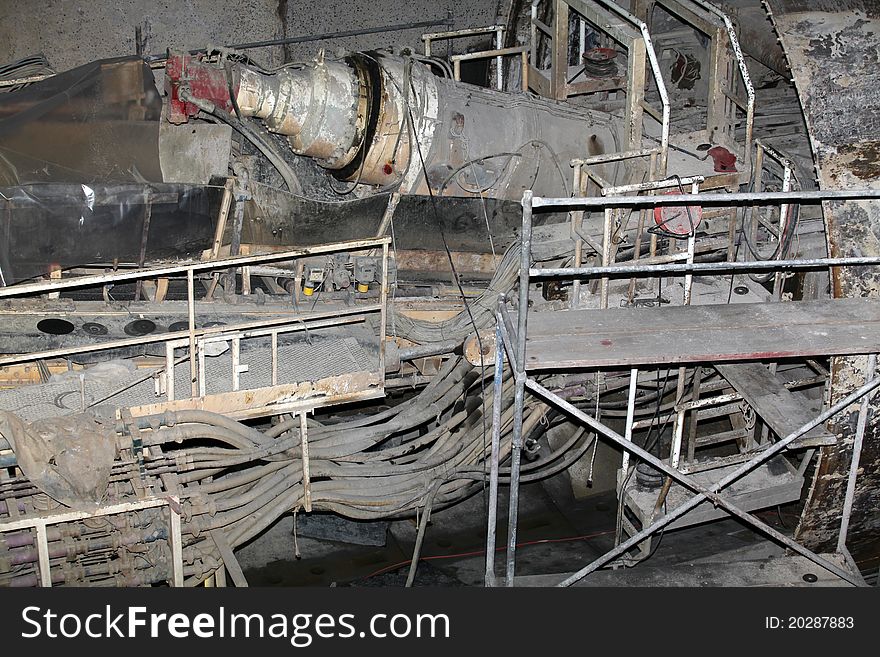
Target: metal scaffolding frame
point(511, 342)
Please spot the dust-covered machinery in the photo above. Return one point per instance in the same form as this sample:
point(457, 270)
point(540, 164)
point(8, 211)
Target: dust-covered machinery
point(386, 120)
point(352, 251)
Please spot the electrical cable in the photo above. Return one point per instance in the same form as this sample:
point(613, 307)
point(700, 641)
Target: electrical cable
point(455, 275)
point(477, 553)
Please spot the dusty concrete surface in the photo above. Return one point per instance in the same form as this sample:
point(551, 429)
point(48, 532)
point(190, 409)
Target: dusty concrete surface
point(73, 32)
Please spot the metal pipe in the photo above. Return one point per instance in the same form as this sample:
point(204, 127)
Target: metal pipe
point(737, 198)
point(678, 431)
point(492, 522)
point(577, 219)
point(606, 258)
point(775, 154)
point(191, 327)
point(338, 35)
point(499, 61)
point(701, 267)
point(653, 184)
point(630, 414)
point(383, 311)
point(506, 333)
point(486, 54)
point(519, 382)
point(613, 157)
point(702, 493)
point(854, 463)
point(533, 29)
point(431, 349)
point(468, 31)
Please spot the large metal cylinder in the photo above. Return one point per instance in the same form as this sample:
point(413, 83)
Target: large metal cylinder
point(319, 107)
point(386, 120)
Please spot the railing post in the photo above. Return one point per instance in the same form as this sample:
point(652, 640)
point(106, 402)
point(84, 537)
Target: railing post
point(519, 381)
point(497, 388)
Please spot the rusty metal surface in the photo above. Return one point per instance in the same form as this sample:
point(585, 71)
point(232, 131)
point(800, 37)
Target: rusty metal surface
point(834, 52)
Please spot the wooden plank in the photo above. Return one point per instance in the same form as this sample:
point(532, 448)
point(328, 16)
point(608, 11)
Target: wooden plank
point(592, 85)
point(781, 409)
point(620, 337)
point(772, 483)
point(720, 437)
point(559, 52)
point(539, 82)
point(274, 400)
point(635, 93)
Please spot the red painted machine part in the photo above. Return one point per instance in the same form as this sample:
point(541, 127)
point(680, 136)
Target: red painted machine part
point(674, 218)
point(204, 81)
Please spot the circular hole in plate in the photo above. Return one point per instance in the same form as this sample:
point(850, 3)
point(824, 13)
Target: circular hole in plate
point(810, 577)
point(704, 147)
point(55, 326)
point(93, 328)
point(740, 290)
point(140, 327)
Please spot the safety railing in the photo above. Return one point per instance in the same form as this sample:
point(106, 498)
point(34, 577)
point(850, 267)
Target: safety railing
point(498, 52)
point(626, 29)
point(279, 396)
point(522, 51)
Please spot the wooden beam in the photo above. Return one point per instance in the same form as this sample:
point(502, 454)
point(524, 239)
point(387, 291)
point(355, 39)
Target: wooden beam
point(625, 337)
point(781, 409)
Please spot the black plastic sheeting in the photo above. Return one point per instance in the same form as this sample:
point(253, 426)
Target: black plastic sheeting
point(60, 225)
point(80, 180)
point(95, 123)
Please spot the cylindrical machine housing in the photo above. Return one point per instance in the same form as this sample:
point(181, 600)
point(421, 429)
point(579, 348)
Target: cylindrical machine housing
point(387, 120)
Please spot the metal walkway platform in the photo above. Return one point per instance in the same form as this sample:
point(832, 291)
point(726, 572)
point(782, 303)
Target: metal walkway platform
point(297, 362)
point(693, 334)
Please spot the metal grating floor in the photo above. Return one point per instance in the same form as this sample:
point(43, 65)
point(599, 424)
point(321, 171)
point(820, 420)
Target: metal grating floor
point(297, 361)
